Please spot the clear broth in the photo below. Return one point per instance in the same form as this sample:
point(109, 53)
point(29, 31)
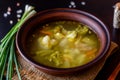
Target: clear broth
point(63, 44)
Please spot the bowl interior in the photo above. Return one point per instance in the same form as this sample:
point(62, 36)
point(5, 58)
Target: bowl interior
point(63, 14)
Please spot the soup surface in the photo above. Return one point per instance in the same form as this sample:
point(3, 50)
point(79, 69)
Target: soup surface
point(63, 44)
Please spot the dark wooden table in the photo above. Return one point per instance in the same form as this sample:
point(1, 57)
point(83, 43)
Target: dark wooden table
point(103, 9)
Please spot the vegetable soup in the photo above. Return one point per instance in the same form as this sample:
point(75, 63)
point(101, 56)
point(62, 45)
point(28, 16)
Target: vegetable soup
point(63, 44)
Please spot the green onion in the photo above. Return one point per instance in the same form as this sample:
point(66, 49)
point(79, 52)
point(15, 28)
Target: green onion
point(10, 61)
point(7, 47)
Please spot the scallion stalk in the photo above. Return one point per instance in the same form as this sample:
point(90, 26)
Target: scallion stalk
point(7, 47)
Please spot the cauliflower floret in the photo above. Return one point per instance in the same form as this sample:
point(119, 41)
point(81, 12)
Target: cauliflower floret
point(45, 42)
point(59, 35)
point(53, 42)
point(71, 35)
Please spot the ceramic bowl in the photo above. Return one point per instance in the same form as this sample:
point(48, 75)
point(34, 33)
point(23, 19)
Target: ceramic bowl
point(63, 14)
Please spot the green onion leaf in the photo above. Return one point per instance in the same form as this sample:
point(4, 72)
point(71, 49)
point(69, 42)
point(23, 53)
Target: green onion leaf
point(7, 47)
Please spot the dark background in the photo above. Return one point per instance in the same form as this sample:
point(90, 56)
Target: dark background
point(103, 9)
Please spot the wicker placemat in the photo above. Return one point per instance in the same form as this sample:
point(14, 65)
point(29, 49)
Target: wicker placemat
point(29, 72)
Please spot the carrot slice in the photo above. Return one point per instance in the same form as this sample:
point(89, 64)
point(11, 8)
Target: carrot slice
point(46, 32)
point(91, 52)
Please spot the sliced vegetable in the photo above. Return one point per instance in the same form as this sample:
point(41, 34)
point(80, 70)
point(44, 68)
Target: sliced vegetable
point(46, 32)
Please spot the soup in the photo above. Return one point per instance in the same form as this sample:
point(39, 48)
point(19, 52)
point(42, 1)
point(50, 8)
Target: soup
point(63, 44)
